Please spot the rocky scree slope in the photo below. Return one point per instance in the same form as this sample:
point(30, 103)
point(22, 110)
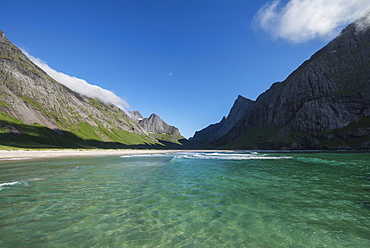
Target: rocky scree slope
point(324, 104)
point(32, 104)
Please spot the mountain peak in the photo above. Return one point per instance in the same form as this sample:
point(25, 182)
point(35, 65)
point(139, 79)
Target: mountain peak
point(323, 104)
point(37, 111)
point(155, 124)
point(135, 115)
point(154, 116)
point(214, 131)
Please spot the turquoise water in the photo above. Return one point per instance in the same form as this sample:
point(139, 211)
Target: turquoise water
point(187, 200)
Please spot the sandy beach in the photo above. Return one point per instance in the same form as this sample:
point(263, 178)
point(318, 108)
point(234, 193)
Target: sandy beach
point(18, 154)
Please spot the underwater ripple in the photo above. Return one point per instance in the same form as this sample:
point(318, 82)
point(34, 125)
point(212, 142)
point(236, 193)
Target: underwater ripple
point(214, 199)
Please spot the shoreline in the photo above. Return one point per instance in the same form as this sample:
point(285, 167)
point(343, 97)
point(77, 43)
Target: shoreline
point(6, 155)
point(35, 154)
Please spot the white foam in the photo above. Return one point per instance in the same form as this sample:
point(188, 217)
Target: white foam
point(8, 184)
point(144, 155)
point(213, 155)
point(3, 159)
point(231, 156)
point(36, 179)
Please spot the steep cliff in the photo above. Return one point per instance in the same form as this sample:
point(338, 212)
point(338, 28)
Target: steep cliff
point(32, 104)
point(214, 131)
point(324, 104)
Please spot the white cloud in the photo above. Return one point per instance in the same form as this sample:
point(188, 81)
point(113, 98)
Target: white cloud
point(79, 85)
point(302, 20)
point(364, 22)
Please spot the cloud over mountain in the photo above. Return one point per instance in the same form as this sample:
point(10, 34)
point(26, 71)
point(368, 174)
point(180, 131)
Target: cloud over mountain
point(298, 21)
point(79, 85)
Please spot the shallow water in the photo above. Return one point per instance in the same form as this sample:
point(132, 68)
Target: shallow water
point(187, 200)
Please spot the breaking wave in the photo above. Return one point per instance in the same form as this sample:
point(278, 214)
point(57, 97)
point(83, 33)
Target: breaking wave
point(8, 184)
point(213, 155)
point(232, 156)
point(13, 159)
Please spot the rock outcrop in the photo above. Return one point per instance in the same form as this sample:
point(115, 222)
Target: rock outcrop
point(324, 104)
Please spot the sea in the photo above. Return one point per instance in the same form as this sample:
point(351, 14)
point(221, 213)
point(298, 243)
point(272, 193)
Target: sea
point(187, 199)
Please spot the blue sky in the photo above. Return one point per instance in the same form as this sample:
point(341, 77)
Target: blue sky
point(186, 61)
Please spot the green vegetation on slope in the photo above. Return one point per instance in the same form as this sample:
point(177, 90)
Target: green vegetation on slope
point(14, 133)
point(30, 94)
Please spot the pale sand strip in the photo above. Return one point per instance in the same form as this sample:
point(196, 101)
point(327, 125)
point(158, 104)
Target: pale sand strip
point(13, 154)
point(20, 154)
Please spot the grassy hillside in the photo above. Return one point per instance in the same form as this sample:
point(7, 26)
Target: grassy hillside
point(15, 133)
point(38, 112)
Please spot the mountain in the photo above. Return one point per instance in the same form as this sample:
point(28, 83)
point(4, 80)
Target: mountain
point(135, 115)
point(155, 124)
point(37, 111)
point(215, 131)
point(324, 104)
point(157, 127)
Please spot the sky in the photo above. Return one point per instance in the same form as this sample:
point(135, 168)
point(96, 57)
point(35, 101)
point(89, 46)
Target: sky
point(187, 61)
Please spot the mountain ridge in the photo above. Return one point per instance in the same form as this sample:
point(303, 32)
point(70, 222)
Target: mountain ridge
point(323, 104)
point(214, 131)
point(30, 100)
point(157, 127)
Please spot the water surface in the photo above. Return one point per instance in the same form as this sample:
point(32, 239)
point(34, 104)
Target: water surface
point(211, 199)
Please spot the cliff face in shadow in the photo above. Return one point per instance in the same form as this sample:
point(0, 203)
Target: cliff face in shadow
point(324, 104)
point(215, 131)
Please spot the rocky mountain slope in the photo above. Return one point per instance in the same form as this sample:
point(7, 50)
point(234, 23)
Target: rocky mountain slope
point(37, 111)
point(155, 124)
point(215, 131)
point(135, 115)
point(160, 129)
point(157, 127)
point(324, 104)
